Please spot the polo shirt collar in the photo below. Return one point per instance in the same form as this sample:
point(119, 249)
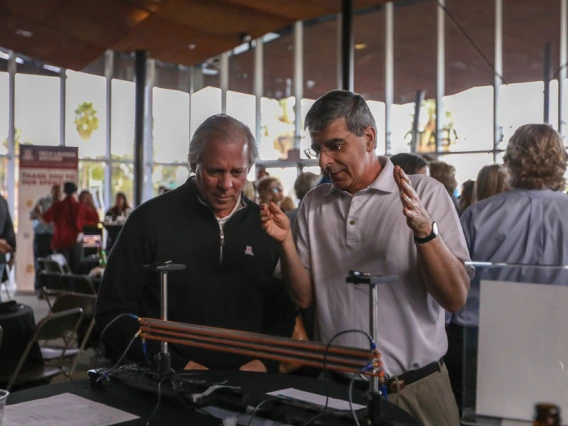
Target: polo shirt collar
point(384, 182)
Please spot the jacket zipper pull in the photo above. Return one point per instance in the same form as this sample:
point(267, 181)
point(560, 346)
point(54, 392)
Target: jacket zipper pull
point(222, 235)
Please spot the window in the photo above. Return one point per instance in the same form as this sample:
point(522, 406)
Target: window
point(171, 125)
point(122, 116)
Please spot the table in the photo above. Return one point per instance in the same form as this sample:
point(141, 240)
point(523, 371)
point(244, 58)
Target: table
point(18, 327)
point(172, 412)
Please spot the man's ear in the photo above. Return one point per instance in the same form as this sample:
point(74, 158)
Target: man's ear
point(370, 138)
point(192, 166)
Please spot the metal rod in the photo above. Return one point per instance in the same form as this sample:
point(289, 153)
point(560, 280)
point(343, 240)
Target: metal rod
point(12, 67)
point(563, 60)
point(374, 383)
point(164, 306)
point(440, 75)
point(298, 80)
point(147, 193)
point(389, 72)
point(109, 69)
point(140, 83)
point(62, 101)
point(347, 53)
point(546, 79)
point(497, 134)
point(415, 123)
point(224, 80)
point(258, 86)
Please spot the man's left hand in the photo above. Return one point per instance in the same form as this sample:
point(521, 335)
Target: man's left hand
point(417, 218)
point(254, 365)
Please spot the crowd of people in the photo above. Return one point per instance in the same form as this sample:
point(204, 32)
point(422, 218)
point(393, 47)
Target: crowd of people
point(256, 260)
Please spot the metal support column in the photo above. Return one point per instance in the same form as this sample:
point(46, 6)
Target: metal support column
point(497, 132)
point(140, 83)
point(347, 53)
point(224, 80)
point(563, 59)
point(149, 134)
point(109, 70)
point(258, 86)
point(298, 80)
point(191, 90)
point(62, 99)
point(11, 172)
point(546, 80)
point(440, 75)
point(338, 49)
point(389, 72)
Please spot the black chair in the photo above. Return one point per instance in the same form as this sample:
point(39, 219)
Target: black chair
point(49, 265)
point(66, 302)
point(54, 326)
point(51, 285)
point(78, 283)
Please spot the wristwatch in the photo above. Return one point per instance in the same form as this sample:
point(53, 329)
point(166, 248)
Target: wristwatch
point(430, 237)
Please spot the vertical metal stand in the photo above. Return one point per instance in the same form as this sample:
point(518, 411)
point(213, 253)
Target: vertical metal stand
point(163, 358)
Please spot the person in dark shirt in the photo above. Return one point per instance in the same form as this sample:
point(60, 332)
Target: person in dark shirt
point(230, 280)
point(7, 236)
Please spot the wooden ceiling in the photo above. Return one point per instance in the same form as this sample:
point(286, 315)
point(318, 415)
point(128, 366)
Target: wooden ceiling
point(73, 34)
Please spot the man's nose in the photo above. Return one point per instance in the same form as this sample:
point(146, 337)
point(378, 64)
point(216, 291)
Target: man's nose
point(226, 183)
point(324, 159)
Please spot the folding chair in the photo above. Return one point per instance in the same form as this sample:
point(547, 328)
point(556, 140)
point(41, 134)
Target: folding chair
point(51, 285)
point(54, 326)
point(78, 283)
point(65, 302)
point(49, 265)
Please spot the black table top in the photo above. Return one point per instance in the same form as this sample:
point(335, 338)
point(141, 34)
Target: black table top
point(171, 411)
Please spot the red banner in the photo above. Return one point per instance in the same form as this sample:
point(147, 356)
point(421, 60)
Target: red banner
point(49, 157)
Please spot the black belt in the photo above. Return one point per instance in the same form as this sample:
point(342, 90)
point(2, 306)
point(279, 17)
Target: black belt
point(397, 383)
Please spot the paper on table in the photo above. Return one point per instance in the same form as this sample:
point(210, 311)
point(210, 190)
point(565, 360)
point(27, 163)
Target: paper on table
point(313, 398)
point(63, 410)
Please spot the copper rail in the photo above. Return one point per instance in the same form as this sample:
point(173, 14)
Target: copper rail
point(338, 358)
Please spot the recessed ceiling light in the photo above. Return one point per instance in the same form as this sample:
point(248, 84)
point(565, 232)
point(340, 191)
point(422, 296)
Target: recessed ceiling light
point(360, 46)
point(191, 46)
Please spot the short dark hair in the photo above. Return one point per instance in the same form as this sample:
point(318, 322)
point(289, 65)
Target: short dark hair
point(69, 188)
point(409, 163)
point(340, 104)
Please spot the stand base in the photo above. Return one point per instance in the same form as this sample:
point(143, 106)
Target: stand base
point(164, 366)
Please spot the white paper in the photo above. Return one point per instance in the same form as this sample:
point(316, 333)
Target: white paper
point(63, 410)
point(523, 349)
point(313, 398)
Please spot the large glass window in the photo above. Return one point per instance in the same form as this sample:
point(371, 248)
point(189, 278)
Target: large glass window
point(91, 178)
point(169, 176)
point(85, 116)
point(123, 181)
point(122, 112)
point(171, 127)
point(37, 109)
point(204, 104)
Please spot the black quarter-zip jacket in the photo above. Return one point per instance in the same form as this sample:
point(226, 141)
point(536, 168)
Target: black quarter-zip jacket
point(228, 281)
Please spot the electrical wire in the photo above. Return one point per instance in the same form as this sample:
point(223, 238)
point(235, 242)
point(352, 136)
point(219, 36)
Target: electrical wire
point(260, 404)
point(351, 400)
point(373, 347)
point(98, 352)
point(159, 400)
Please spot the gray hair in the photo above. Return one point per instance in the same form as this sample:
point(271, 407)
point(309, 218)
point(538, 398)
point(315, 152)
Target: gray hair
point(225, 128)
point(340, 104)
point(304, 183)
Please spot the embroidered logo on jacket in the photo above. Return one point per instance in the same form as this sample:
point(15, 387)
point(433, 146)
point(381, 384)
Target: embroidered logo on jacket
point(248, 251)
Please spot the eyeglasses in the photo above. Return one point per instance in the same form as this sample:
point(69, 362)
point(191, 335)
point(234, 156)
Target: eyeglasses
point(329, 148)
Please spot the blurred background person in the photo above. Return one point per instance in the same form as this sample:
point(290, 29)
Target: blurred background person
point(270, 189)
point(303, 184)
point(445, 174)
point(120, 208)
point(467, 195)
point(491, 180)
point(43, 232)
point(91, 215)
point(249, 191)
point(67, 225)
point(411, 164)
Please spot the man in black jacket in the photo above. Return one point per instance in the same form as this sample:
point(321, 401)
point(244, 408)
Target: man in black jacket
point(209, 226)
point(7, 236)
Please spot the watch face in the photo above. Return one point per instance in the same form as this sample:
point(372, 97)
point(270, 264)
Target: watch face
point(435, 229)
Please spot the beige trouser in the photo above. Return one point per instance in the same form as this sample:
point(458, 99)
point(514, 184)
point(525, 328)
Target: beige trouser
point(429, 400)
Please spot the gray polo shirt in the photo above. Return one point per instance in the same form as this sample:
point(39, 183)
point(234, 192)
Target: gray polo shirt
point(336, 232)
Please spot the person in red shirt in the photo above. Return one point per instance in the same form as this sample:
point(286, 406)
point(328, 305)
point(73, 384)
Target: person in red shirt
point(91, 216)
point(68, 217)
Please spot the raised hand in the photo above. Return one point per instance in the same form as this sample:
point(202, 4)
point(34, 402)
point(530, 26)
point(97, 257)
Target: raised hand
point(5, 247)
point(274, 221)
point(417, 218)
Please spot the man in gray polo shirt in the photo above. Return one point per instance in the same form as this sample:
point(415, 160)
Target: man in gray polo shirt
point(374, 218)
